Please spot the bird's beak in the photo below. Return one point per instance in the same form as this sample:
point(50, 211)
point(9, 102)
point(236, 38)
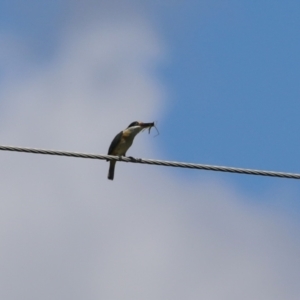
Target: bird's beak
point(146, 125)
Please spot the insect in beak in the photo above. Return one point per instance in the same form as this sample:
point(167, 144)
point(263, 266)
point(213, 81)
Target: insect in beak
point(149, 126)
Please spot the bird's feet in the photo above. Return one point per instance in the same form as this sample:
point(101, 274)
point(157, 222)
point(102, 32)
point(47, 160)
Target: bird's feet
point(133, 159)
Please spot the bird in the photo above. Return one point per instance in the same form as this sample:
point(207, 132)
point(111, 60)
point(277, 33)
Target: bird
point(123, 141)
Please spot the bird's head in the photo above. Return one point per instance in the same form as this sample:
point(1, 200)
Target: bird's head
point(136, 127)
point(140, 124)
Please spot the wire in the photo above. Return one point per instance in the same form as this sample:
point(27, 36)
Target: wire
point(153, 162)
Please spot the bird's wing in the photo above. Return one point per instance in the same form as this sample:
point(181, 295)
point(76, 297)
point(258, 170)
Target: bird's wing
point(114, 143)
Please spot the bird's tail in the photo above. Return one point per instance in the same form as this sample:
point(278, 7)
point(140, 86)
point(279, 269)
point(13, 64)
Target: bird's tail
point(111, 170)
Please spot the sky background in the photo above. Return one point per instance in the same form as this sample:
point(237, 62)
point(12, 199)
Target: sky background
point(220, 78)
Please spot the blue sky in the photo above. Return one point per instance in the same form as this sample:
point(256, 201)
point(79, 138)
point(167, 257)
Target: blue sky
point(232, 78)
point(233, 74)
point(222, 80)
point(38, 23)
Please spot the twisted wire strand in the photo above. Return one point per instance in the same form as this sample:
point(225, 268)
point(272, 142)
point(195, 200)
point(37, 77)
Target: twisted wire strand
point(153, 162)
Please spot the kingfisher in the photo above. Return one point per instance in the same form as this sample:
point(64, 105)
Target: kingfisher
point(122, 142)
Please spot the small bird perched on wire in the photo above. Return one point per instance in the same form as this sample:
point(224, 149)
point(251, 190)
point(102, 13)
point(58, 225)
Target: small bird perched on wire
point(122, 142)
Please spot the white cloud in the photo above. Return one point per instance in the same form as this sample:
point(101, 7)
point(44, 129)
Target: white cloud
point(69, 233)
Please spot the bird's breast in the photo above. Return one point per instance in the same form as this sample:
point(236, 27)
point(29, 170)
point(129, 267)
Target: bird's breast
point(124, 145)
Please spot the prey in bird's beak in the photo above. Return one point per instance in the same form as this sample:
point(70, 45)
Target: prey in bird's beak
point(146, 125)
point(149, 126)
